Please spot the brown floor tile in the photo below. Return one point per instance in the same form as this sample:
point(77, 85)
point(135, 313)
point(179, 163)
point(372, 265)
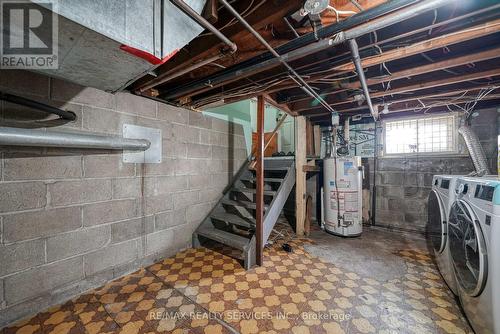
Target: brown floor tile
point(199, 290)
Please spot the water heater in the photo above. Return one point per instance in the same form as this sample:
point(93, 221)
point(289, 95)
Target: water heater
point(342, 196)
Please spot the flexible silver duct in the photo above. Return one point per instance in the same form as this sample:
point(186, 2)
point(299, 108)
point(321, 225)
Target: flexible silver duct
point(475, 150)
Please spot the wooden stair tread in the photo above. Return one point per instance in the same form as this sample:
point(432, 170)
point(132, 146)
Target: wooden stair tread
point(234, 219)
point(266, 179)
point(223, 237)
point(253, 191)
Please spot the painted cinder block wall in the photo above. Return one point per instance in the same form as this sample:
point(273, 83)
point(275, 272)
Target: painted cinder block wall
point(71, 219)
point(404, 183)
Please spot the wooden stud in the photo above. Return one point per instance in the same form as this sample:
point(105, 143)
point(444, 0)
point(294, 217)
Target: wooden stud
point(317, 140)
point(259, 197)
point(309, 139)
point(210, 12)
point(300, 175)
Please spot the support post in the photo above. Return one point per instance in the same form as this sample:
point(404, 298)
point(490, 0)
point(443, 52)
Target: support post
point(317, 140)
point(259, 197)
point(300, 175)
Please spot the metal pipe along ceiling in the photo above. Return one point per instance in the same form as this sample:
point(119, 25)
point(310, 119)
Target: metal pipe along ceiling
point(41, 138)
point(293, 74)
point(184, 7)
point(341, 37)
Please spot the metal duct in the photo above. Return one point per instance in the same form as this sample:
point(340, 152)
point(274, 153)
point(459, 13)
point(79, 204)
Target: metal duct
point(475, 150)
point(41, 138)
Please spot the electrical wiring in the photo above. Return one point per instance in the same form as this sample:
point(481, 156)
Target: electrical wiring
point(327, 77)
point(229, 95)
point(233, 21)
point(433, 22)
point(319, 68)
point(468, 107)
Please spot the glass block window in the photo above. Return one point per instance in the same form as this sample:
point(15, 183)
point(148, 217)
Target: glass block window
point(426, 135)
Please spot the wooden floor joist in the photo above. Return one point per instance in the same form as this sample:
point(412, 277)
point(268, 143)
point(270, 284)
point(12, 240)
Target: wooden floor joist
point(414, 71)
point(449, 94)
point(431, 44)
point(425, 46)
point(343, 103)
point(398, 109)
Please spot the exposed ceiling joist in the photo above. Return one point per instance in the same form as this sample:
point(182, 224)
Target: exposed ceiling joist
point(454, 79)
point(417, 107)
point(415, 71)
point(425, 46)
point(395, 103)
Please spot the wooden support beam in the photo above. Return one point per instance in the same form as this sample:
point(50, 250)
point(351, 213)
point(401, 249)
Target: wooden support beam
point(300, 175)
point(270, 138)
point(210, 12)
point(403, 109)
point(430, 44)
point(344, 104)
point(209, 45)
point(411, 72)
point(282, 107)
point(308, 168)
point(309, 139)
point(259, 197)
point(410, 50)
point(425, 97)
point(317, 140)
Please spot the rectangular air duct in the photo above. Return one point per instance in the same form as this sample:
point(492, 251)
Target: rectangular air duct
point(108, 44)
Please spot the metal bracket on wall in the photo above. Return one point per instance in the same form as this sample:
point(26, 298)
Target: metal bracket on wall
point(153, 154)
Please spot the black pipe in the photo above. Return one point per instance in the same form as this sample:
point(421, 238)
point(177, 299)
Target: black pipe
point(293, 74)
point(67, 115)
point(341, 36)
point(297, 43)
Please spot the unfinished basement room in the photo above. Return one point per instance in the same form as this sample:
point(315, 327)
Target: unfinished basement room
point(250, 166)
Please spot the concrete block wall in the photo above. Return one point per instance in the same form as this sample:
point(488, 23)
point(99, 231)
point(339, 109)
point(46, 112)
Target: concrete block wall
point(404, 183)
point(71, 219)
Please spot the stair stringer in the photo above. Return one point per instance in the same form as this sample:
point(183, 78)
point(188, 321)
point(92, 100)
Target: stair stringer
point(276, 206)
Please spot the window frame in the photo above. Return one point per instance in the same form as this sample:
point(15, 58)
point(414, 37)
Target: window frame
point(455, 144)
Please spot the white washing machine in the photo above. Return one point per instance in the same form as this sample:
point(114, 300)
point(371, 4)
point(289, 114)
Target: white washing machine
point(474, 250)
point(439, 203)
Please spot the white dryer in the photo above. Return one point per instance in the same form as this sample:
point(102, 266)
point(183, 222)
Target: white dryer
point(474, 258)
point(439, 203)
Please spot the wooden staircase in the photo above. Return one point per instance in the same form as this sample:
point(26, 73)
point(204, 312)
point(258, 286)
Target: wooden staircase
point(232, 221)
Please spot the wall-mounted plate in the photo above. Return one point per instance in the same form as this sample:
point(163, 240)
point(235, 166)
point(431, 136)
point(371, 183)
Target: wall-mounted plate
point(153, 154)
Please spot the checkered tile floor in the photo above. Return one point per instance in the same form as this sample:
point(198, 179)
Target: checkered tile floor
point(202, 291)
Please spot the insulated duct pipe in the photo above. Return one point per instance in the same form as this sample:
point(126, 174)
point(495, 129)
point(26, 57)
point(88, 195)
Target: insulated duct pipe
point(361, 74)
point(292, 73)
point(341, 37)
point(41, 138)
point(186, 9)
point(475, 150)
